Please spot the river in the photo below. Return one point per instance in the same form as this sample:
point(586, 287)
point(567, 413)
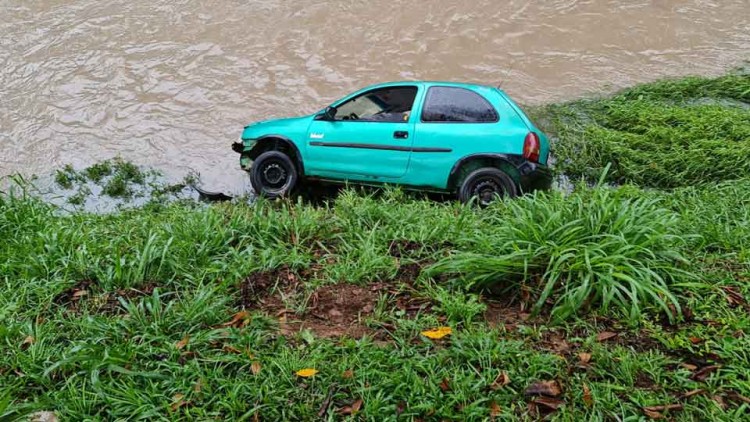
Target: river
point(170, 84)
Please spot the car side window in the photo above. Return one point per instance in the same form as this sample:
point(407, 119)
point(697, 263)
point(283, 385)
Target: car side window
point(379, 105)
point(452, 104)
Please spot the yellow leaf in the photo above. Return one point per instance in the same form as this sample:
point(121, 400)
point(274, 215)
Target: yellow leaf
point(307, 372)
point(255, 367)
point(177, 401)
point(182, 343)
point(437, 333)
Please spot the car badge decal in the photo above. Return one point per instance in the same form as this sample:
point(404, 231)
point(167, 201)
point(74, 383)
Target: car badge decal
point(317, 136)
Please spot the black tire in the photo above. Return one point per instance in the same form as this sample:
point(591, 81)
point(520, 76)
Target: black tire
point(486, 184)
point(273, 175)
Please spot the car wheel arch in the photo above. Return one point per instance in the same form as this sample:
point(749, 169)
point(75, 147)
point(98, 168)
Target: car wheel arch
point(467, 164)
point(278, 143)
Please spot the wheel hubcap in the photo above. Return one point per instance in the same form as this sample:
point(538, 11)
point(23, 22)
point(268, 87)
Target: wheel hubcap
point(274, 175)
point(487, 191)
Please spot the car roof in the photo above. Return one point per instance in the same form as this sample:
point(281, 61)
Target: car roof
point(429, 83)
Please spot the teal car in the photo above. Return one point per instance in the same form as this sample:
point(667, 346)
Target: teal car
point(469, 140)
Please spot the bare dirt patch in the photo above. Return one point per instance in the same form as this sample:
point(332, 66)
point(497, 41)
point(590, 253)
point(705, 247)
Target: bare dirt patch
point(506, 313)
point(336, 311)
point(257, 290)
point(87, 295)
point(331, 311)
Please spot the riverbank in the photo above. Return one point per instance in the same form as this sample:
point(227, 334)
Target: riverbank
point(606, 302)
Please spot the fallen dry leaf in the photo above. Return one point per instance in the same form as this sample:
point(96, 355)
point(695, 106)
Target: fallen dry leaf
point(548, 402)
point(444, 385)
point(704, 372)
point(692, 393)
point(255, 367)
point(177, 401)
point(720, 401)
point(688, 366)
point(495, 410)
point(653, 415)
point(696, 340)
point(198, 386)
point(182, 343)
point(663, 408)
point(734, 297)
point(732, 395)
point(584, 357)
point(231, 349)
point(588, 399)
point(327, 402)
point(307, 372)
point(558, 343)
point(239, 319)
point(500, 381)
point(605, 335)
point(28, 341)
point(79, 293)
point(655, 412)
point(545, 388)
point(348, 374)
point(351, 409)
point(437, 333)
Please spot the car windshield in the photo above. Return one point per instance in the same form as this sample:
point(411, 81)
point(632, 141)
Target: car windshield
point(385, 104)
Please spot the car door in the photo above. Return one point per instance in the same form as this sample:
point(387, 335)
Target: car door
point(369, 137)
point(459, 120)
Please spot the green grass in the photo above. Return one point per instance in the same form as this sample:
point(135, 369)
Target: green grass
point(92, 362)
point(666, 134)
point(134, 314)
point(592, 249)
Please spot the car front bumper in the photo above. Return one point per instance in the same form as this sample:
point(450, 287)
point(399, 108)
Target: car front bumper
point(243, 148)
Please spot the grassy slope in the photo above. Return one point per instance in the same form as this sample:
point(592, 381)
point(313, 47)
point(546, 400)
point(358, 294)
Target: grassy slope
point(130, 315)
point(664, 135)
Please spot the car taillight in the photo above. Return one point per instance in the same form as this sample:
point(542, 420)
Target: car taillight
point(531, 147)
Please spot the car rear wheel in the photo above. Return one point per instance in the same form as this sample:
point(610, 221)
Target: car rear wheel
point(487, 184)
point(273, 175)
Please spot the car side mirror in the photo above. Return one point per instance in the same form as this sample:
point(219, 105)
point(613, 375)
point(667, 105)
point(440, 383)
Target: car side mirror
point(328, 114)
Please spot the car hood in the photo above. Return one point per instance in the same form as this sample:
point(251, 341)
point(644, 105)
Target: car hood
point(276, 127)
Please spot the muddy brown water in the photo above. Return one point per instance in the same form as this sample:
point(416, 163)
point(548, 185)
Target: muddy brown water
point(170, 84)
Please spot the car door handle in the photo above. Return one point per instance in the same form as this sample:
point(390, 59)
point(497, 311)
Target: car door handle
point(401, 134)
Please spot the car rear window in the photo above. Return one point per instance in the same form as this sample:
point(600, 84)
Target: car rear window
point(452, 104)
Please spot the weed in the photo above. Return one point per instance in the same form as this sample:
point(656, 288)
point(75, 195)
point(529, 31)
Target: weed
point(65, 177)
point(593, 248)
point(99, 171)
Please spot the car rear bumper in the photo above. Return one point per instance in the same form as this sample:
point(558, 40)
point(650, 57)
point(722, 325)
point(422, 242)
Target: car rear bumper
point(534, 177)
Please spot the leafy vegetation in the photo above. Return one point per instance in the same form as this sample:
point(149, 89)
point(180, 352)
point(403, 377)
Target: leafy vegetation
point(602, 303)
point(116, 182)
point(594, 248)
point(665, 134)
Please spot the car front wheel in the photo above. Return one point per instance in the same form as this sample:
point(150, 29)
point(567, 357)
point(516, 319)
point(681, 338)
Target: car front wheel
point(273, 175)
point(486, 185)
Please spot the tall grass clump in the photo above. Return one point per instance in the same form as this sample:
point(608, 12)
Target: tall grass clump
point(665, 135)
point(595, 249)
